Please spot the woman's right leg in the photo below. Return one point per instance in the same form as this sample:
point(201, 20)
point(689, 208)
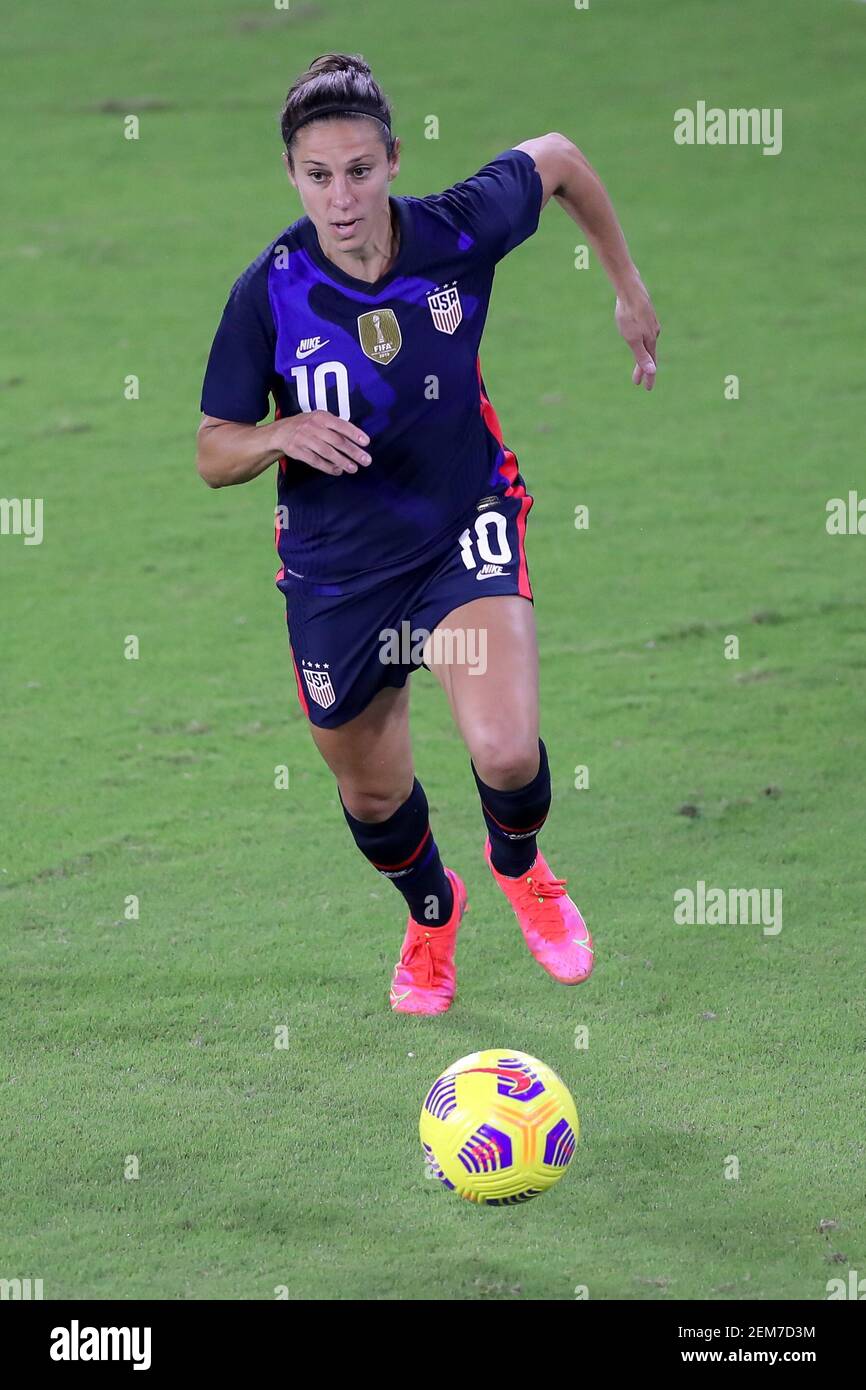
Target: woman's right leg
point(371, 755)
point(386, 811)
point(384, 803)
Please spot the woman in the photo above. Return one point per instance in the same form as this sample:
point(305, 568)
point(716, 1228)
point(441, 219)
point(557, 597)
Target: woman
point(363, 320)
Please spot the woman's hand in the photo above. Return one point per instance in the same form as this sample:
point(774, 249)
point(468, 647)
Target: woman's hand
point(637, 322)
point(322, 440)
point(228, 452)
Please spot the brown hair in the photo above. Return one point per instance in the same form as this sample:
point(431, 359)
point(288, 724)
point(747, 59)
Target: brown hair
point(336, 78)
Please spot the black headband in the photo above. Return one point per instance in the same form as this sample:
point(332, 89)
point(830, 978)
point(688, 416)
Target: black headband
point(361, 109)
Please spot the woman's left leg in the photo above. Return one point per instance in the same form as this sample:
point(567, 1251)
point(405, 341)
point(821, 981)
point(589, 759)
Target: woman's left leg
point(491, 680)
point(485, 656)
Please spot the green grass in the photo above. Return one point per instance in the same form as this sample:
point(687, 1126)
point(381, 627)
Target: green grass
point(301, 1167)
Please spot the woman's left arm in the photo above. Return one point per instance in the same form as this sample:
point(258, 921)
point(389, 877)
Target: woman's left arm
point(570, 178)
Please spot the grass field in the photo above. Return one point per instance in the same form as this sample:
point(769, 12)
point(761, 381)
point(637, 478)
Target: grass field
point(261, 1167)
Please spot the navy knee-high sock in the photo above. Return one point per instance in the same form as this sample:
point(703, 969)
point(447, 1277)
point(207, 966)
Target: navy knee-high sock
point(515, 817)
point(402, 848)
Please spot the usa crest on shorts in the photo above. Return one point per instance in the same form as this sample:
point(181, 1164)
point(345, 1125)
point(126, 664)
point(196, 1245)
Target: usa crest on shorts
point(318, 682)
point(445, 307)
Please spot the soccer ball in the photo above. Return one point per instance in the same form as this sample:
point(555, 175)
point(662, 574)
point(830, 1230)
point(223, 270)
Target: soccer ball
point(498, 1127)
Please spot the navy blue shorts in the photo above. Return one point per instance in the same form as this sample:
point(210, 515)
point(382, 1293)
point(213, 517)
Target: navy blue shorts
point(340, 656)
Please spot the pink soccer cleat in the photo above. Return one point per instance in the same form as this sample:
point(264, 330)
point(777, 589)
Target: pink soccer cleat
point(552, 926)
point(424, 976)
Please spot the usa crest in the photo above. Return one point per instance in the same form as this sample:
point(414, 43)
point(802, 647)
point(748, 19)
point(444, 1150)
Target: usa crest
point(318, 684)
point(445, 307)
point(379, 334)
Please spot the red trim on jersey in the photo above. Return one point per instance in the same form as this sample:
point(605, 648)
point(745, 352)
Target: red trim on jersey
point(278, 415)
point(510, 471)
point(281, 573)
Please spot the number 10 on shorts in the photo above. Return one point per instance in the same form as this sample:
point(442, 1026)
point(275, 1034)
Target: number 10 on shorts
point(502, 555)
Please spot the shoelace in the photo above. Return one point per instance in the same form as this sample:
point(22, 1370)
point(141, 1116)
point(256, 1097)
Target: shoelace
point(537, 893)
point(421, 948)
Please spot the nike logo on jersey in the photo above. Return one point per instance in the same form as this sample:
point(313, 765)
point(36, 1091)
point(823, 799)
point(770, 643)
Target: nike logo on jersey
point(490, 572)
point(309, 345)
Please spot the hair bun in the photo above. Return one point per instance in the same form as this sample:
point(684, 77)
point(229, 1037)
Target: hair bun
point(340, 62)
point(336, 84)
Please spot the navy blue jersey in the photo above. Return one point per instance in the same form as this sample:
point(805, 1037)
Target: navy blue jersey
point(397, 357)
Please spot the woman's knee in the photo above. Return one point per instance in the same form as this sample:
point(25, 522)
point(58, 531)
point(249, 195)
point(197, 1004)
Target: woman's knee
point(375, 802)
point(371, 757)
point(506, 762)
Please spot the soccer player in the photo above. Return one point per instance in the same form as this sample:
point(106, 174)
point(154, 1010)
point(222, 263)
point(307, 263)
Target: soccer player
point(401, 515)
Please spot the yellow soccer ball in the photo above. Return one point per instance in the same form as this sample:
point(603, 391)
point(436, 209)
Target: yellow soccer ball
point(498, 1127)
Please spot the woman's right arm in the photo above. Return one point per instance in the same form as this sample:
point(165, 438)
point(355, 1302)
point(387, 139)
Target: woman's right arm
point(229, 453)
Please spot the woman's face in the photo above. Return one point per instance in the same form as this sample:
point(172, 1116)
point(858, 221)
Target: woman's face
point(342, 172)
